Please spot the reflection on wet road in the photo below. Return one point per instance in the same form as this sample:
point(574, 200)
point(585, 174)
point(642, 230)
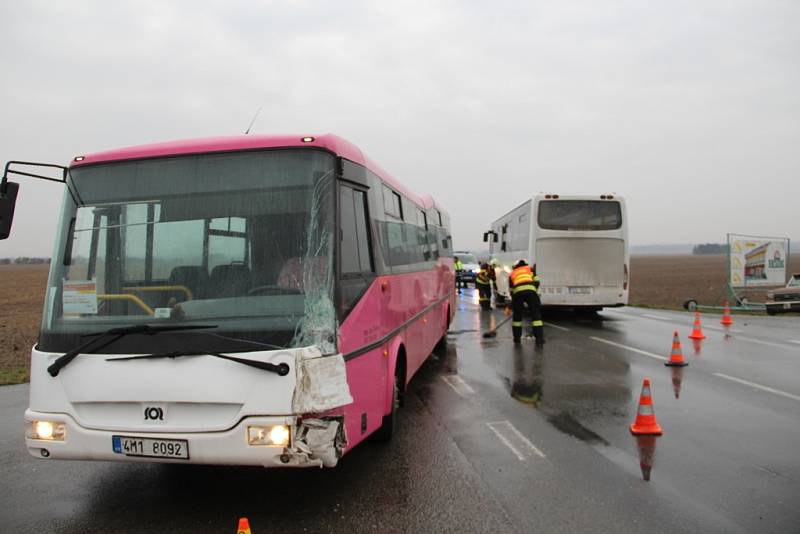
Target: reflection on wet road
point(584, 385)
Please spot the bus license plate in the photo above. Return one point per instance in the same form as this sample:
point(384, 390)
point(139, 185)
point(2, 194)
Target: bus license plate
point(580, 290)
point(151, 447)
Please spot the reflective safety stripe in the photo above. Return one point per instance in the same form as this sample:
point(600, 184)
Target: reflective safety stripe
point(516, 323)
point(645, 409)
point(526, 287)
point(646, 392)
point(537, 323)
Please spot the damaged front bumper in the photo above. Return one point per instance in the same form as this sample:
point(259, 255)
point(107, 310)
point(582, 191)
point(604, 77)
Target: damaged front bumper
point(313, 443)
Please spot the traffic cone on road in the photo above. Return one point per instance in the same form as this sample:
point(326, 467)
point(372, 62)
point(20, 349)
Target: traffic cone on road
point(697, 333)
point(727, 320)
point(676, 357)
point(646, 423)
point(244, 526)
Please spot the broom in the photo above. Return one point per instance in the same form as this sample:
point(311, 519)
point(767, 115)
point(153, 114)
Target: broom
point(493, 331)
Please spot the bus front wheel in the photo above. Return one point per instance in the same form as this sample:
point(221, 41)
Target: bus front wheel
point(386, 430)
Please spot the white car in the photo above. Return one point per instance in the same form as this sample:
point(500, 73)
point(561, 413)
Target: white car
point(785, 299)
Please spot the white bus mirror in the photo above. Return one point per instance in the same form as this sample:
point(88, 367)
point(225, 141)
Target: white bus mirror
point(8, 199)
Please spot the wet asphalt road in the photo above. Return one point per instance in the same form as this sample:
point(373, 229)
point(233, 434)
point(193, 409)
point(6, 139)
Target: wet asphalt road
point(494, 438)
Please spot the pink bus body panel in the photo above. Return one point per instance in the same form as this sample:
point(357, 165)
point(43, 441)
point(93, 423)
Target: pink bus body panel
point(391, 301)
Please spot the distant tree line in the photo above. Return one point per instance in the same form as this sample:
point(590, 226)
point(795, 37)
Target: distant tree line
point(24, 260)
point(710, 248)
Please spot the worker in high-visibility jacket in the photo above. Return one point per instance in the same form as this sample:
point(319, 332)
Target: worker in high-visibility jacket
point(525, 292)
point(483, 281)
point(459, 268)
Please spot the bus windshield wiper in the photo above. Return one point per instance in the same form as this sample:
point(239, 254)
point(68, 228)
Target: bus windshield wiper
point(282, 369)
point(103, 339)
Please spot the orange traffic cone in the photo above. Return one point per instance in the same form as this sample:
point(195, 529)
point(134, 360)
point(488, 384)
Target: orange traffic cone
point(727, 320)
point(697, 333)
point(646, 423)
point(244, 526)
point(676, 357)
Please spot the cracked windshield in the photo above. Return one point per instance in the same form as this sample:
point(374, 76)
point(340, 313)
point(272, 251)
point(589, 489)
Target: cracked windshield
point(241, 241)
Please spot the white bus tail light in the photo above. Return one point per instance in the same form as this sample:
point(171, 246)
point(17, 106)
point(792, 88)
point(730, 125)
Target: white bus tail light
point(625, 277)
point(271, 435)
point(46, 430)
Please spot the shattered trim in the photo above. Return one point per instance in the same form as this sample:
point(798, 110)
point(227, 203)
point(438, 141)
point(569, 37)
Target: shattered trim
point(375, 344)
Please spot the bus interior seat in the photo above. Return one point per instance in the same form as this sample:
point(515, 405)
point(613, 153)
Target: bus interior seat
point(193, 277)
point(291, 275)
point(231, 280)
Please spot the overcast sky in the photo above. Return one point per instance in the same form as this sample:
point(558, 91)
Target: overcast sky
point(689, 109)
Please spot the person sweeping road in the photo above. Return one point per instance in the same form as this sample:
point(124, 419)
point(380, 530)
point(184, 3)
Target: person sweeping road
point(524, 286)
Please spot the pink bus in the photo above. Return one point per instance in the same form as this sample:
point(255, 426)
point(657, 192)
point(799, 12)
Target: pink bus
point(248, 300)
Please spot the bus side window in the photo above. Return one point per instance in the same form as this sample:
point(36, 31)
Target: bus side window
point(356, 257)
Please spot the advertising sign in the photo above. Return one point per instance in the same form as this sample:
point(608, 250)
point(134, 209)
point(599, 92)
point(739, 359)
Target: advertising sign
point(757, 261)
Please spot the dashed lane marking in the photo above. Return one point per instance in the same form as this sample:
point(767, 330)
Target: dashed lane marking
point(657, 317)
point(761, 342)
point(564, 328)
point(723, 329)
point(514, 440)
point(758, 386)
point(632, 349)
point(459, 386)
point(794, 341)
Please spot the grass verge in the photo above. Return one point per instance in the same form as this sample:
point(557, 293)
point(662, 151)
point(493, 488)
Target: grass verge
point(16, 375)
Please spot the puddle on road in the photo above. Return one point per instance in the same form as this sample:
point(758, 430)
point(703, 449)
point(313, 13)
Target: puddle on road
point(569, 425)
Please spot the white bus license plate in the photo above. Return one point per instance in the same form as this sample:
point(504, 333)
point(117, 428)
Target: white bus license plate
point(151, 447)
point(581, 290)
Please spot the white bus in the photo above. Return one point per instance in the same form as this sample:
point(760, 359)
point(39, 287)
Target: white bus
point(579, 244)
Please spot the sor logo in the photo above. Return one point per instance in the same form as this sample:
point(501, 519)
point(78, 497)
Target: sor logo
point(153, 413)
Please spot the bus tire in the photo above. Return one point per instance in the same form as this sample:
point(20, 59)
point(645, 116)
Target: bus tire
point(386, 430)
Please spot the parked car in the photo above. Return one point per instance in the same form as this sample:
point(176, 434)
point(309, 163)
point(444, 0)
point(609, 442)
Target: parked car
point(785, 299)
point(471, 266)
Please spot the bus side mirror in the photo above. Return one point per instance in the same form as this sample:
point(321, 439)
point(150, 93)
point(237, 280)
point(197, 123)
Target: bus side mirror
point(485, 237)
point(494, 235)
point(8, 199)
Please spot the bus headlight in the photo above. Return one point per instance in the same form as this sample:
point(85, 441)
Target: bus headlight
point(46, 430)
point(271, 436)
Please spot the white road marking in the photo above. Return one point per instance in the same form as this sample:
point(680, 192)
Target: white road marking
point(632, 349)
point(768, 343)
point(658, 317)
point(723, 329)
point(502, 430)
point(557, 327)
point(794, 341)
point(758, 386)
point(458, 385)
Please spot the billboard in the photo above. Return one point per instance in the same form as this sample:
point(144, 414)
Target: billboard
point(757, 261)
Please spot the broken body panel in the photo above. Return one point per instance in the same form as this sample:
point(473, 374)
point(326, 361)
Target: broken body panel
point(235, 236)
